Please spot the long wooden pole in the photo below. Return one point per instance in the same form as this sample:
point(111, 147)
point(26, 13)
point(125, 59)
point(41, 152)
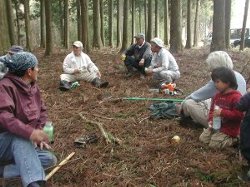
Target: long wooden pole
point(59, 166)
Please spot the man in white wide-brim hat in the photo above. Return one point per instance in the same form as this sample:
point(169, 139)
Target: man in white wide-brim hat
point(163, 65)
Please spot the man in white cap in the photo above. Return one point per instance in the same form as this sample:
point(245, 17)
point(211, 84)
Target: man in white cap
point(163, 65)
point(138, 56)
point(78, 66)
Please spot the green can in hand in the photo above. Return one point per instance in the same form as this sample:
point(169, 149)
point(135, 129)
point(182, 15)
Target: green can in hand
point(49, 130)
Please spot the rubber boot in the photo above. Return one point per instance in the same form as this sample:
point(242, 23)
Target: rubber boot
point(64, 85)
point(97, 82)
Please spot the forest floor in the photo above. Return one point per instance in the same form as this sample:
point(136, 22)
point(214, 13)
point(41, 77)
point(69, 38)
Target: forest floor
point(145, 156)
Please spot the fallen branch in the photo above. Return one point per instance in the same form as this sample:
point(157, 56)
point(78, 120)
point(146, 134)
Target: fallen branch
point(59, 166)
point(108, 136)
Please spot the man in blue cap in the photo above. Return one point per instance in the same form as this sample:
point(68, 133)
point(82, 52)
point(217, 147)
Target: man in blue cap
point(23, 143)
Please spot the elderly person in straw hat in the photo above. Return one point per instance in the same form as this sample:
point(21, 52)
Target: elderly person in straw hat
point(78, 66)
point(23, 143)
point(197, 104)
point(163, 65)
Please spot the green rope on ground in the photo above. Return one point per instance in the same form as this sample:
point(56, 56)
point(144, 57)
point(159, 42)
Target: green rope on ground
point(152, 99)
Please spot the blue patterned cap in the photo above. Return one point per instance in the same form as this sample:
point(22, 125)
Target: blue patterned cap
point(21, 61)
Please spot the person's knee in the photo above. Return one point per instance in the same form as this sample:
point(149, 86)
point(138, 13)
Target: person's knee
point(48, 160)
point(52, 160)
point(187, 106)
point(129, 61)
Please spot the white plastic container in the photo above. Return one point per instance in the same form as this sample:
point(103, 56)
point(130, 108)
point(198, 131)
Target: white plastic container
point(216, 120)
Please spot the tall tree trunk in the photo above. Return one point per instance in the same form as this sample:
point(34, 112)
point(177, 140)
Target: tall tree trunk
point(196, 21)
point(102, 22)
point(156, 18)
point(140, 19)
point(97, 42)
point(133, 20)
point(10, 18)
point(61, 13)
point(111, 23)
point(166, 17)
point(118, 28)
point(188, 42)
point(85, 24)
point(218, 38)
point(4, 36)
point(66, 24)
point(125, 26)
point(146, 16)
point(227, 23)
point(48, 47)
point(243, 31)
point(79, 21)
point(42, 24)
point(175, 27)
point(27, 24)
point(150, 20)
point(17, 22)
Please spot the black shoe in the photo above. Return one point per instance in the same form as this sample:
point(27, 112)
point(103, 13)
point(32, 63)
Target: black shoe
point(86, 139)
point(64, 86)
point(37, 184)
point(104, 84)
point(97, 82)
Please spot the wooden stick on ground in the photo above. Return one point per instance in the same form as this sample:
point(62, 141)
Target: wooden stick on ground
point(59, 166)
point(108, 136)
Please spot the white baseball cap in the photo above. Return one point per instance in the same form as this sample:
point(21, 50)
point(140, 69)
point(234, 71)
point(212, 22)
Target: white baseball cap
point(78, 44)
point(158, 42)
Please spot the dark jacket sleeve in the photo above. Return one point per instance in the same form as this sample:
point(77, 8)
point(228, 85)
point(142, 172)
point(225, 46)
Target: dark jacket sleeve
point(244, 103)
point(8, 122)
point(148, 52)
point(130, 51)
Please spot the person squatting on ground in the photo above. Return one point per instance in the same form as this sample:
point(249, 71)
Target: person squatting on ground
point(23, 143)
point(197, 104)
point(78, 66)
point(244, 106)
point(138, 56)
point(163, 65)
point(13, 49)
point(226, 132)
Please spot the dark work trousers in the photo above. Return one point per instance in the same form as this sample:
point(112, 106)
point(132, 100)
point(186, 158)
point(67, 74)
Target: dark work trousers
point(245, 137)
point(131, 62)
